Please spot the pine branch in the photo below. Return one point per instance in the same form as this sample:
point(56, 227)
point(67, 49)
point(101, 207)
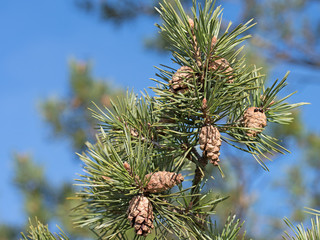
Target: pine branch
point(41, 232)
point(300, 233)
point(145, 142)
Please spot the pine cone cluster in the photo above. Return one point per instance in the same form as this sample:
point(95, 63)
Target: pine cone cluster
point(162, 181)
point(254, 117)
point(223, 65)
point(210, 142)
point(140, 211)
point(140, 214)
point(180, 78)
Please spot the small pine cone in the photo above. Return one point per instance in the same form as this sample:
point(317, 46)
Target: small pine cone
point(254, 117)
point(106, 178)
point(134, 132)
point(184, 74)
point(126, 165)
point(191, 23)
point(162, 181)
point(223, 65)
point(140, 214)
point(210, 142)
point(213, 42)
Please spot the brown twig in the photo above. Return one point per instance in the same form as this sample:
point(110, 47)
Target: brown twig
point(202, 162)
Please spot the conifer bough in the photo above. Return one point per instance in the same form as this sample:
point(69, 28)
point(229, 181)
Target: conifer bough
point(134, 172)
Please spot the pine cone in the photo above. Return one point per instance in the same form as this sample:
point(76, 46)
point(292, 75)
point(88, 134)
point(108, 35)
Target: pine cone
point(213, 42)
point(184, 74)
point(223, 65)
point(196, 49)
point(210, 142)
point(254, 117)
point(140, 214)
point(134, 132)
point(162, 181)
point(126, 165)
point(191, 23)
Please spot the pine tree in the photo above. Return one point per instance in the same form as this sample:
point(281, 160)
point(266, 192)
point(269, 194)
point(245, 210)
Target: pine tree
point(146, 173)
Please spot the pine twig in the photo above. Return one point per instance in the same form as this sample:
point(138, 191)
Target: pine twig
point(198, 174)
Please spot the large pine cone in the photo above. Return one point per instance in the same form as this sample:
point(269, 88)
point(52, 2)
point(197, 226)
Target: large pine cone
point(183, 75)
point(162, 181)
point(223, 65)
point(210, 142)
point(140, 214)
point(254, 117)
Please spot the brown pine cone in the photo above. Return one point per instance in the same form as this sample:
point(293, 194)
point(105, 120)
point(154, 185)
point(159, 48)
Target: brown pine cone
point(196, 49)
point(191, 23)
point(213, 42)
point(134, 132)
point(210, 142)
point(223, 65)
point(140, 214)
point(126, 165)
point(184, 74)
point(254, 117)
point(162, 181)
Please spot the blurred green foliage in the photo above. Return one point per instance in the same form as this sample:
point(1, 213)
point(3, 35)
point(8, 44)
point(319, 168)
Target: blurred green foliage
point(288, 30)
point(69, 117)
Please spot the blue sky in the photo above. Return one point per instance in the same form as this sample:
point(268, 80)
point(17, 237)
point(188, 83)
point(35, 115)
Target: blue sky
point(37, 40)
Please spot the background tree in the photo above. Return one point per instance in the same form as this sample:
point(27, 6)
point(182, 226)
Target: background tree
point(287, 31)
